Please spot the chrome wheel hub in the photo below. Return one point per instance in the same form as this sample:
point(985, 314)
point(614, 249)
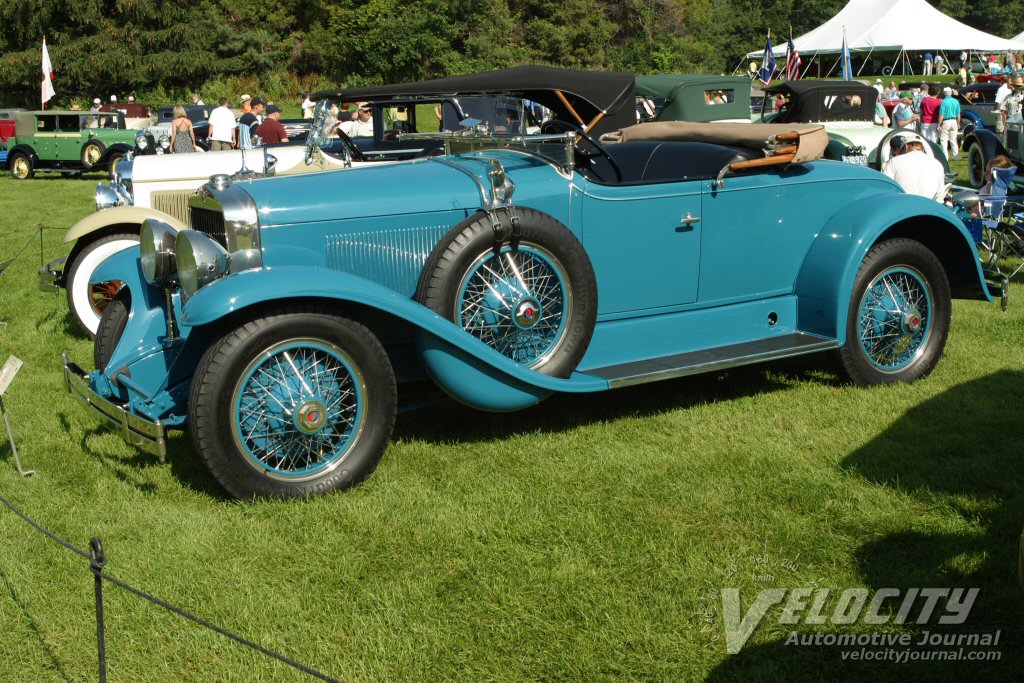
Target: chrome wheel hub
point(911, 321)
point(527, 313)
point(310, 416)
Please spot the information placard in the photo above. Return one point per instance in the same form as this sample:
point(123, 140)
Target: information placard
point(8, 372)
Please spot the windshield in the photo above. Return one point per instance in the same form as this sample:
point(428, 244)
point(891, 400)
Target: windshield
point(325, 135)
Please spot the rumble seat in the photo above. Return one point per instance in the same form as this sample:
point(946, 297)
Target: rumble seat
point(656, 161)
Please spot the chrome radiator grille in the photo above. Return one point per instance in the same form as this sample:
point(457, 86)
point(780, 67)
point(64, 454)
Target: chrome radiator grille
point(393, 258)
point(211, 223)
point(174, 202)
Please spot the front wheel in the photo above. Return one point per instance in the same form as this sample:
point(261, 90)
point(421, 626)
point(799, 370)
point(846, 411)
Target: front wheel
point(111, 328)
point(87, 301)
point(292, 404)
point(899, 315)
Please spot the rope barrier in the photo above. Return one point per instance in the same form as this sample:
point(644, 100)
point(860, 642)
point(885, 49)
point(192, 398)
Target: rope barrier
point(98, 561)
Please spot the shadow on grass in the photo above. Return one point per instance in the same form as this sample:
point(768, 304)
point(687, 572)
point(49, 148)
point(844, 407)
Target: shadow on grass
point(961, 452)
point(452, 422)
point(34, 628)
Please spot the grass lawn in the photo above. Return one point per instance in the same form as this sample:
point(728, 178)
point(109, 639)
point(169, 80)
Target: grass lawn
point(588, 538)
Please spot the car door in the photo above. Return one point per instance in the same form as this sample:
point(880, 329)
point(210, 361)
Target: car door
point(644, 243)
point(45, 137)
point(68, 139)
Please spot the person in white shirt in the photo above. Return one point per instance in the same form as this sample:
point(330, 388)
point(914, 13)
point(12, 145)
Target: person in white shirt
point(916, 172)
point(223, 128)
point(362, 127)
point(879, 87)
point(1004, 89)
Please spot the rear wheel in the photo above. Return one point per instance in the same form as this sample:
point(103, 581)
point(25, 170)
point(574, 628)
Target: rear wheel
point(21, 167)
point(899, 315)
point(87, 301)
point(292, 404)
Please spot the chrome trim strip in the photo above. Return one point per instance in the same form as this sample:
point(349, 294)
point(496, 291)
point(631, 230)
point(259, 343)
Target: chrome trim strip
point(149, 437)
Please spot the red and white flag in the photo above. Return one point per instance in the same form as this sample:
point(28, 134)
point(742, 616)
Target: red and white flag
point(47, 86)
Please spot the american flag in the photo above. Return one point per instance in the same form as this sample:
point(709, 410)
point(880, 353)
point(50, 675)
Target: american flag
point(792, 61)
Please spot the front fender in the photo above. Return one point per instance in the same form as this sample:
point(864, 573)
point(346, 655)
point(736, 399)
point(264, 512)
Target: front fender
point(987, 140)
point(118, 215)
point(251, 288)
point(826, 277)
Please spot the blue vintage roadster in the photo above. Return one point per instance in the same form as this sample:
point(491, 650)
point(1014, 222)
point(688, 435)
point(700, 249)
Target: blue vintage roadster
point(280, 325)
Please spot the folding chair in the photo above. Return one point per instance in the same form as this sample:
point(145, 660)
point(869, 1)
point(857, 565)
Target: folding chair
point(1003, 224)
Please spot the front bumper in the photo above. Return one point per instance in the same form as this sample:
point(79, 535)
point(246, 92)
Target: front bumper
point(149, 437)
point(51, 276)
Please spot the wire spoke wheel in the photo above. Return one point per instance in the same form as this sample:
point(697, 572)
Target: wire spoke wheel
point(100, 295)
point(899, 315)
point(297, 409)
point(894, 319)
point(517, 302)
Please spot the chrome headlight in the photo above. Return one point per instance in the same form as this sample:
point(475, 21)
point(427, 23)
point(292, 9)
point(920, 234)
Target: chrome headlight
point(200, 260)
point(158, 251)
point(969, 199)
point(502, 186)
point(141, 141)
point(165, 143)
point(106, 196)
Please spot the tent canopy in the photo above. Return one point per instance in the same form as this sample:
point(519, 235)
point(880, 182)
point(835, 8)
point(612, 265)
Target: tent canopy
point(888, 25)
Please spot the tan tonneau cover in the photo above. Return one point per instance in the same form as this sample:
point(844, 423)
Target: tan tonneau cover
point(776, 139)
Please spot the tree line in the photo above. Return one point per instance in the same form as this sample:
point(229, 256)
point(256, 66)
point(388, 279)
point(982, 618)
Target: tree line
point(163, 51)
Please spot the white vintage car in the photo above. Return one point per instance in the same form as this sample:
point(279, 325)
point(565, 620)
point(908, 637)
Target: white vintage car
point(158, 186)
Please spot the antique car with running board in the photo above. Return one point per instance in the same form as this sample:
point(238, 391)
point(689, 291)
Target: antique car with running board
point(278, 328)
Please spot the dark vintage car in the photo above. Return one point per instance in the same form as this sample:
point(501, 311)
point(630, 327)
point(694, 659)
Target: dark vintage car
point(67, 142)
point(978, 105)
point(597, 101)
point(697, 98)
point(982, 145)
point(279, 328)
point(847, 110)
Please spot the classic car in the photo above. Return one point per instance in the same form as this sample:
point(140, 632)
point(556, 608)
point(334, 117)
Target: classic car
point(983, 144)
point(697, 98)
point(67, 142)
point(978, 105)
point(279, 328)
point(847, 110)
point(159, 187)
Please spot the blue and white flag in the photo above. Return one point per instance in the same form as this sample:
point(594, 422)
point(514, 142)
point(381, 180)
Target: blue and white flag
point(767, 71)
point(847, 67)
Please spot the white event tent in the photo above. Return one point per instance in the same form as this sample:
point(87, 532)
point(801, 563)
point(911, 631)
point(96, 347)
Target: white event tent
point(894, 26)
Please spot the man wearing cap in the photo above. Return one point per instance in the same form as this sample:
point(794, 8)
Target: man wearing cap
point(1010, 108)
point(879, 87)
point(95, 104)
point(903, 115)
point(246, 101)
point(271, 129)
point(362, 127)
point(915, 171)
point(949, 123)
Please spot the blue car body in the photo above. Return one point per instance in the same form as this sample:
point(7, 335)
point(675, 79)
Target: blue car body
point(692, 274)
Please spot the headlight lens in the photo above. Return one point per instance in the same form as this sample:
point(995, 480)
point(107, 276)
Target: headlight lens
point(165, 142)
point(200, 260)
point(141, 141)
point(106, 197)
point(158, 251)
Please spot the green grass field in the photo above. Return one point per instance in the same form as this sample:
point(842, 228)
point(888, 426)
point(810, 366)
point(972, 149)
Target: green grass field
point(588, 538)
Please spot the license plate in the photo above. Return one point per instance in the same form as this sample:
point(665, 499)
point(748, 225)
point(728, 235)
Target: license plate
point(856, 159)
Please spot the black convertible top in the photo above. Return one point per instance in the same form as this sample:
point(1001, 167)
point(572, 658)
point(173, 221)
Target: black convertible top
point(607, 97)
point(813, 100)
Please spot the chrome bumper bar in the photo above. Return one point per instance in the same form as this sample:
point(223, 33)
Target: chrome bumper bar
point(51, 276)
point(149, 437)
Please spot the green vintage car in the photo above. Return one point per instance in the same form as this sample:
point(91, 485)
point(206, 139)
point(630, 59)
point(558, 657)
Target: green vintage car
point(67, 142)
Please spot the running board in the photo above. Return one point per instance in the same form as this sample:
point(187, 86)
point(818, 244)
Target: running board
point(710, 360)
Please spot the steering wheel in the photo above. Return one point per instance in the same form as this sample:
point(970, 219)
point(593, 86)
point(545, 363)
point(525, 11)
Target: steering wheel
point(555, 126)
point(354, 151)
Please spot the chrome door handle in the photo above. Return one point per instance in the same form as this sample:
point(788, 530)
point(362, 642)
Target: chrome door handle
point(689, 219)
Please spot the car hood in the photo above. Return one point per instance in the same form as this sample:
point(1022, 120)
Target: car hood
point(419, 186)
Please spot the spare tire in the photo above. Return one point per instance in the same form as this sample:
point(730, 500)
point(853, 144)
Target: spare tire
point(534, 301)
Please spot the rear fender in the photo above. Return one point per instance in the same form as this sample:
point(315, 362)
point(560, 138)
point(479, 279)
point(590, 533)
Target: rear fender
point(460, 363)
point(825, 280)
point(987, 140)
